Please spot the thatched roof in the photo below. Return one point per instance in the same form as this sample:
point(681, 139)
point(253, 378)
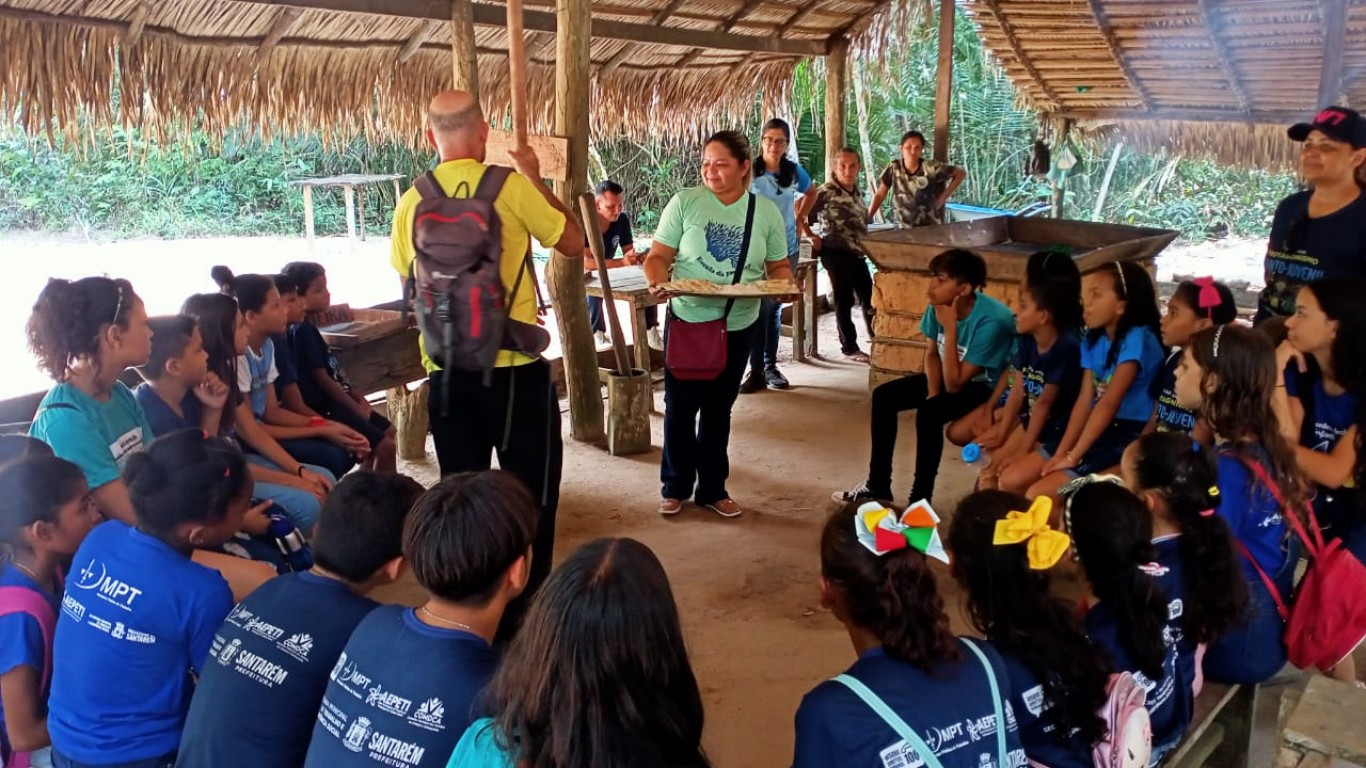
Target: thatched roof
point(1211, 77)
point(671, 67)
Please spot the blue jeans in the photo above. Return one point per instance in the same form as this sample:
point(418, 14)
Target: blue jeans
point(769, 329)
point(61, 761)
point(1255, 651)
point(301, 506)
point(697, 426)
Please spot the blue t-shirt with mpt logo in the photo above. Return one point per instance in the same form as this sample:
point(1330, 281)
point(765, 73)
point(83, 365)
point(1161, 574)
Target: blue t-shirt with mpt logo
point(137, 620)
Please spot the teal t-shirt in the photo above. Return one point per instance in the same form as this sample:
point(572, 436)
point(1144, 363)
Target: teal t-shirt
point(479, 749)
point(707, 236)
point(985, 337)
point(96, 436)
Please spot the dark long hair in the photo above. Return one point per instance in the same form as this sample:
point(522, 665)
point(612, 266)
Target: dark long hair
point(1060, 298)
point(1226, 311)
point(1112, 532)
point(893, 596)
point(599, 674)
point(36, 487)
point(185, 477)
point(1237, 384)
point(786, 172)
point(251, 291)
point(1344, 301)
point(1010, 603)
point(1135, 288)
point(216, 314)
point(69, 317)
point(1186, 476)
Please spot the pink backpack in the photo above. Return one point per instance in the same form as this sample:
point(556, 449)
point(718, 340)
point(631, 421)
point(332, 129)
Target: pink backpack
point(1128, 741)
point(24, 600)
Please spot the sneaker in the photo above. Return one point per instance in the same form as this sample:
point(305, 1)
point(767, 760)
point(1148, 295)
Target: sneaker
point(600, 340)
point(775, 378)
point(860, 493)
point(725, 508)
point(655, 341)
point(754, 382)
point(669, 507)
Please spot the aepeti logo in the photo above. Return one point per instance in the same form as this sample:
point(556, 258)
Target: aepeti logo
point(94, 576)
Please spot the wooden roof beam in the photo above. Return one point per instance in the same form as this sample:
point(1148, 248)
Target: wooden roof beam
point(419, 37)
point(805, 9)
point(624, 52)
point(278, 29)
point(1334, 34)
point(137, 22)
point(1190, 114)
point(489, 15)
point(1215, 24)
point(726, 27)
point(994, 6)
point(1108, 33)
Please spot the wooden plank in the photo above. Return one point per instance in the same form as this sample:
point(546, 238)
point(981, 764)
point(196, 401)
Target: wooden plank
point(943, 92)
point(1328, 720)
point(1021, 56)
point(464, 54)
point(836, 97)
point(573, 62)
point(1334, 35)
point(389, 361)
point(553, 152)
point(900, 356)
point(489, 15)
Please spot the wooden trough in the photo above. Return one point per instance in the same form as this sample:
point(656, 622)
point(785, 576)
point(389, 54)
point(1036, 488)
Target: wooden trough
point(903, 256)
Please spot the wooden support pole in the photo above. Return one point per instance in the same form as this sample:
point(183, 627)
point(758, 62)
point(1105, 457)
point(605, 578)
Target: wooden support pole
point(565, 276)
point(517, 72)
point(1061, 128)
point(836, 93)
point(943, 92)
point(1334, 39)
point(464, 56)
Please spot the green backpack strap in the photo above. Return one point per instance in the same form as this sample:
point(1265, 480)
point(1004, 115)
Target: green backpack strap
point(903, 730)
point(995, 700)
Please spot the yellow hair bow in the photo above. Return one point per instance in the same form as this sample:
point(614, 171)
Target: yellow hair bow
point(1045, 545)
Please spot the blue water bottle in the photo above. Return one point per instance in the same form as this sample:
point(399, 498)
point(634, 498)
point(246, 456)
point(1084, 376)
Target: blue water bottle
point(973, 455)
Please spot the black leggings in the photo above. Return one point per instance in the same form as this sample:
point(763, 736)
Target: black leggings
point(932, 414)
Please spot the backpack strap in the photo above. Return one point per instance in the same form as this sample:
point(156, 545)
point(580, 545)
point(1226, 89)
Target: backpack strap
point(491, 183)
point(428, 187)
point(891, 718)
point(1314, 545)
point(995, 700)
point(23, 600)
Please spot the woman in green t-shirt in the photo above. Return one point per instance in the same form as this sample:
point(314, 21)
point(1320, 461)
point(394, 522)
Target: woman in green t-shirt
point(699, 238)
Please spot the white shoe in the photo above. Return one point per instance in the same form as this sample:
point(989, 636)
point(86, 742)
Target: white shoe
point(600, 340)
point(655, 341)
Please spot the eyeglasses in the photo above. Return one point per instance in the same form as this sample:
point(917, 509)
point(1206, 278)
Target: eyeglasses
point(775, 142)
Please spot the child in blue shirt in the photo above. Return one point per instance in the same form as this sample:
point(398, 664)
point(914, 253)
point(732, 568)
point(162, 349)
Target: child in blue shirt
point(1057, 677)
point(1120, 357)
point(297, 487)
point(298, 624)
point(138, 616)
point(45, 512)
point(973, 334)
point(1131, 615)
point(637, 704)
point(1194, 306)
point(908, 658)
point(313, 440)
point(408, 680)
point(321, 381)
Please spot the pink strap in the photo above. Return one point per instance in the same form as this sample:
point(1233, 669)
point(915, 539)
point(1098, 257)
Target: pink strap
point(24, 600)
point(1270, 585)
point(1315, 545)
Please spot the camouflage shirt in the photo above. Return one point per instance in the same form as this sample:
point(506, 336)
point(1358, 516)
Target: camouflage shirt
point(913, 194)
point(843, 216)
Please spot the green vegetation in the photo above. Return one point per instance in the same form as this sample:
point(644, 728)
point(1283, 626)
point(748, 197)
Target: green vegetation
point(123, 183)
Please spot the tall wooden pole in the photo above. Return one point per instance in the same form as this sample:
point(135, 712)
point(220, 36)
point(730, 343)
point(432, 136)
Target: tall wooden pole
point(572, 47)
point(836, 91)
point(517, 72)
point(464, 55)
point(943, 92)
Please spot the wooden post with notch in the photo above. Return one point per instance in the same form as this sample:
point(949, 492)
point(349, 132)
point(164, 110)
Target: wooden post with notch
point(836, 90)
point(943, 92)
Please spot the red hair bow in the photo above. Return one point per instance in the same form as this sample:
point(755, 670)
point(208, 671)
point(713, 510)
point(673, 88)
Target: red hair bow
point(1209, 295)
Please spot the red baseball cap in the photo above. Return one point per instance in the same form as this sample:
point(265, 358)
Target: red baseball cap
point(1337, 123)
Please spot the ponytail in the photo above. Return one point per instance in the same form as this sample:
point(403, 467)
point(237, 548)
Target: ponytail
point(894, 596)
point(1112, 532)
point(185, 477)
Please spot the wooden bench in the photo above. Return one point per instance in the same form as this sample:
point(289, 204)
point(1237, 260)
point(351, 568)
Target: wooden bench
point(1234, 725)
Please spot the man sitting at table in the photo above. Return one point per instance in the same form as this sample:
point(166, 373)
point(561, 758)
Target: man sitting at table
point(615, 227)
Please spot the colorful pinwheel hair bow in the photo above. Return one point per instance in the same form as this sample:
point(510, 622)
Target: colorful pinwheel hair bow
point(1209, 298)
point(880, 531)
point(1043, 545)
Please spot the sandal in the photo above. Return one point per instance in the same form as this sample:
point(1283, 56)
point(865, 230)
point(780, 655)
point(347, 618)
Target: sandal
point(725, 508)
point(670, 507)
point(857, 356)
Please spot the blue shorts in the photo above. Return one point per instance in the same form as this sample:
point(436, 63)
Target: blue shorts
point(1255, 651)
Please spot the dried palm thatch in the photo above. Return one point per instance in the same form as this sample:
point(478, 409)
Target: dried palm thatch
point(1216, 78)
point(222, 63)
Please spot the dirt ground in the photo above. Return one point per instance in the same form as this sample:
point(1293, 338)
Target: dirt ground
point(747, 587)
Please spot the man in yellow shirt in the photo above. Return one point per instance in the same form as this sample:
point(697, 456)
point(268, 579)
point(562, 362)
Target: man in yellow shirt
point(518, 413)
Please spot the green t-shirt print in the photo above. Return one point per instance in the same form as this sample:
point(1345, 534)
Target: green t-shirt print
point(707, 236)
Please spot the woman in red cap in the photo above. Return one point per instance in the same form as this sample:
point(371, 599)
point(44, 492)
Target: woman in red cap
point(1320, 232)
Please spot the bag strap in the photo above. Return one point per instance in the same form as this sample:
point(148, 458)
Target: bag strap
point(1271, 587)
point(1314, 545)
point(891, 718)
point(491, 183)
point(995, 700)
point(428, 187)
point(22, 600)
point(744, 252)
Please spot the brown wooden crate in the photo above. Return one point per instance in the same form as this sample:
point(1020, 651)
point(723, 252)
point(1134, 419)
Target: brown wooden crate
point(898, 356)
